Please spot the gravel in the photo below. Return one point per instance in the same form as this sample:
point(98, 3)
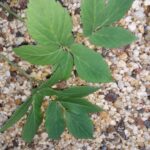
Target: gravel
point(125, 123)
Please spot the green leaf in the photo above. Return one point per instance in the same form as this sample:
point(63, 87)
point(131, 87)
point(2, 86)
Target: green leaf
point(34, 119)
point(64, 67)
point(62, 71)
point(17, 115)
point(114, 11)
point(112, 37)
point(54, 123)
point(49, 23)
point(79, 91)
point(90, 65)
point(90, 12)
point(40, 55)
point(79, 106)
point(47, 91)
point(95, 14)
point(79, 125)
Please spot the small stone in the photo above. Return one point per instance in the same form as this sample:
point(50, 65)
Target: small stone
point(121, 64)
point(19, 34)
point(140, 15)
point(111, 97)
point(139, 122)
point(132, 27)
point(77, 11)
point(62, 85)
point(123, 56)
point(147, 37)
point(147, 2)
point(120, 128)
point(136, 53)
point(105, 116)
point(135, 72)
point(45, 104)
point(23, 4)
point(1, 105)
point(44, 136)
point(18, 101)
point(13, 69)
point(19, 41)
point(110, 129)
point(147, 123)
point(119, 104)
point(7, 74)
point(15, 143)
point(103, 147)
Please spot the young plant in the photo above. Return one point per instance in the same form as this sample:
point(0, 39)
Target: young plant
point(50, 26)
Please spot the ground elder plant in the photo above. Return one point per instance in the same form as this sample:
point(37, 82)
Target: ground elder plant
point(50, 25)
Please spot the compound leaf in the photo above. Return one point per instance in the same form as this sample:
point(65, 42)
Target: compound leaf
point(54, 123)
point(34, 119)
point(90, 12)
point(90, 65)
point(112, 37)
point(79, 105)
point(40, 55)
point(79, 125)
point(114, 11)
point(17, 115)
point(47, 91)
point(49, 23)
point(64, 67)
point(62, 71)
point(99, 13)
point(79, 91)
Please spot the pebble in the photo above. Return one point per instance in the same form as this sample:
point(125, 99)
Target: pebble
point(111, 96)
point(132, 26)
point(147, 123)
point(147, 2)
point(140, 15)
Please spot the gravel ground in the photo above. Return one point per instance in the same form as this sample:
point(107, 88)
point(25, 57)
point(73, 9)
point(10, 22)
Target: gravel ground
point(125, 123)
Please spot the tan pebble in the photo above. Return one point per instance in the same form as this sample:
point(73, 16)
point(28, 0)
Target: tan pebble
point(140, 139)
point(141, 29)
point(113, 123)
point(67, 136)
point(75, 20)
point(38, 77)
point(147, 78)
point(118, 104)
point(18, 101)
point(13, 69)
point(7, 137)
point(135, 83)
point(123, 56)
point(45, 104)
point(61, 85)
point(104, 116)
point(98, 129)
point(45, 74)
point(121, 64)
point(139, 122)
point(141, 144)
point(122, 22)
point(110, 129)
point(98, 140)
point(147, 37)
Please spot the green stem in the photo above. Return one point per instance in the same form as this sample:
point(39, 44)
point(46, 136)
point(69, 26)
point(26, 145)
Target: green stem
point(5, 6)
point(21, 71)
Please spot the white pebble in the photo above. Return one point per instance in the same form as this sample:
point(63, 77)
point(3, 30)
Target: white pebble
point(140, 15)
point(147, 2)
point(132, 27)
